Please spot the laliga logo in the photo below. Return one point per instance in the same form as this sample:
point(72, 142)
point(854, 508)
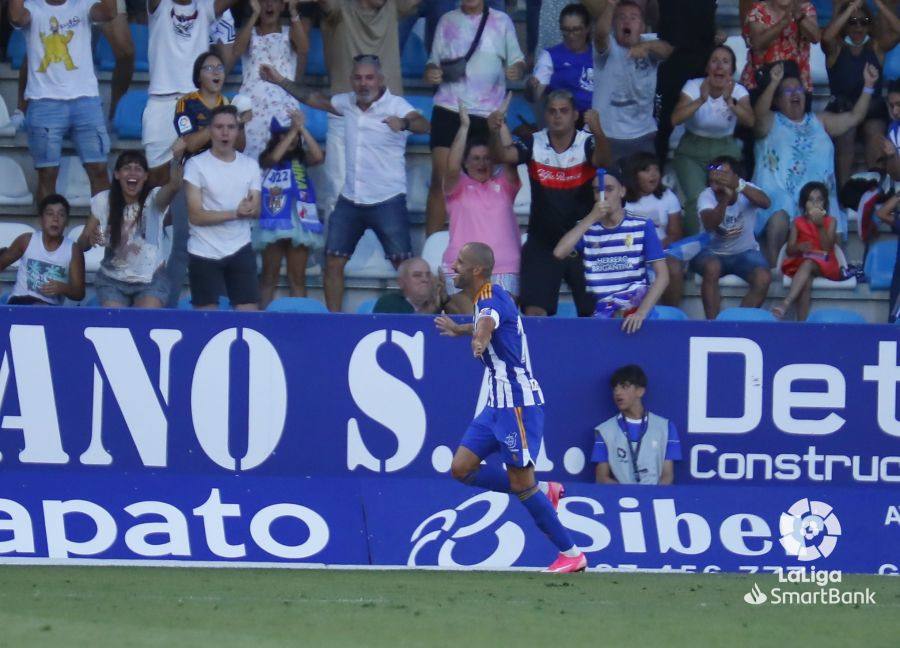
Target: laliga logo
point(809, 530)
point(510, 537)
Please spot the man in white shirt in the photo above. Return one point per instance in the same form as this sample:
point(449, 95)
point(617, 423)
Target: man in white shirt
point(62, 91)
point(223, 196)
point(179, 33)
point(376, 124)
point(625, 69)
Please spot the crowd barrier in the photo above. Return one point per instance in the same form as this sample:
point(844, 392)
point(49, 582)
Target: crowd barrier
point(326, 439)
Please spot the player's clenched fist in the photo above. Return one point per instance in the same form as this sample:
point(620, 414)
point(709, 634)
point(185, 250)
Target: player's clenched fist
point(478, 347)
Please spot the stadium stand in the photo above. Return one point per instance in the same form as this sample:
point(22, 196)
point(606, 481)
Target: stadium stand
point(13, 186)
point(668, 313)
point(739, 314)
point(296, 305)
point(836, 316)
point(127, 120)
point(880, 264)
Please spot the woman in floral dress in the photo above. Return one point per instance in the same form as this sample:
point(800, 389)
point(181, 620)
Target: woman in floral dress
point(264, 40)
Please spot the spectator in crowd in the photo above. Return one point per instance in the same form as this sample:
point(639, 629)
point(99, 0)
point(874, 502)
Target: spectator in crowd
point(549, 28)
point(849, 43)
point(646, 197)
point(221, 39)
point(810, 250)
point(728, 211)
point(710, 108)
point(475, 52)
point(690, 27)
point(263, 40)
point(561, 165)
point(480, 199)
point(51, 267)
point(625, 78)
point(289, 226)
point(179, 32)
point(620, 452)
point(128, 221)
point(891, 143)
point(223, 196)
point(888, 213)
point(778, 30)
point(420, 291)
point(62, 91)
point(118, 35)
point(376, 125)
point(194, 110)
point(431, 11)
point(352, 28)
point(568, 65)
point(794, 147)
point(617, 249)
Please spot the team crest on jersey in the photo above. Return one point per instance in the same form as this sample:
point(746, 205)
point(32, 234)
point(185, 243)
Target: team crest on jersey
point(183, 23)
point(510, 441)
point(629, 240)
point(620, 452)
point(276, 199)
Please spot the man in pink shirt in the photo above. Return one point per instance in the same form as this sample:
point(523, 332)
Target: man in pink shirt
point(480, 200)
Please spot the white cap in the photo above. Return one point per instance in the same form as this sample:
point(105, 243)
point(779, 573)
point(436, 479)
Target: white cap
point(243, 103)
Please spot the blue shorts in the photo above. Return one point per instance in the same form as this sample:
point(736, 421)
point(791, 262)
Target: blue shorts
point(48, 121)
point(742, 264)
point(389, 220)
point(515, 432)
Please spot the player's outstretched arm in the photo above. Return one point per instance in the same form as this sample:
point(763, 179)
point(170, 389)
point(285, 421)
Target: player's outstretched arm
point(448, 327)
point(484, 329)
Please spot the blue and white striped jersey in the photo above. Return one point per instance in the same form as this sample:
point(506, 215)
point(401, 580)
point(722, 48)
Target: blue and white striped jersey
point(506, 357)
point(616, 259)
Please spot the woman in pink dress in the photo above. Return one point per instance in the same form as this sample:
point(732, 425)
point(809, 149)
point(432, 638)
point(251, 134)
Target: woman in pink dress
point(264, 40)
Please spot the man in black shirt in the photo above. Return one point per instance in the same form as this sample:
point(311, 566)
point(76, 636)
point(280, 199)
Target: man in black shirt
point(562, 163)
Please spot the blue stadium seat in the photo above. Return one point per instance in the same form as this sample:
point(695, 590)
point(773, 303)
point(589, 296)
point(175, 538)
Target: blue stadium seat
point(185, 303)
point(566, 309)
point(315, 59)
point(740, 314)
point(127, 120)
point(879, 267)
point(836, 316)
point(15, 49)
point(424, 105)
point(413, 58)
point(90, 302)
point(296, 305)
point(668, 313)
point(140, 36)
point(4, 298)
point(366, 307)
point(519, 110)
point(316, 122)
point(892, 64)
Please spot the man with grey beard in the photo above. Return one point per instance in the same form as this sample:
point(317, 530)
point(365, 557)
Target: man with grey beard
point(377, 124)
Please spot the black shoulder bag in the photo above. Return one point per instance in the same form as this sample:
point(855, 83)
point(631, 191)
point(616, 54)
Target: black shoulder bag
point(455, 69)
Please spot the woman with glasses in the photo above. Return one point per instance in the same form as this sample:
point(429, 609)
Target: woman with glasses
point(850, 44)
point(194, 111)
point(794, 147)
point(568, 65)
point(263, 40)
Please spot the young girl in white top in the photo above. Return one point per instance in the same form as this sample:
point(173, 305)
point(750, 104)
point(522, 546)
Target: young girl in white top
point(647, 197)
point(128, 221)
point(51, 267)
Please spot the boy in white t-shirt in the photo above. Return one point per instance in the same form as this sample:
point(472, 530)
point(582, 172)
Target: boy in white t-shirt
point(62, 91)
point(223, 195)
point(179, 33)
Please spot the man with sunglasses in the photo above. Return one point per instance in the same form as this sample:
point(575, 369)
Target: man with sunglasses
point(376, 125)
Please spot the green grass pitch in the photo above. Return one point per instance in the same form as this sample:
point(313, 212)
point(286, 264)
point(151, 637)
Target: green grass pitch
point(122, 606)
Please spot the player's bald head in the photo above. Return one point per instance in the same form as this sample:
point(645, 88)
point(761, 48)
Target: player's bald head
point(480, 256)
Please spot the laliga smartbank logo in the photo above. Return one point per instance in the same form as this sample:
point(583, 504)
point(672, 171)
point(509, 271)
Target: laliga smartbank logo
point(809, 530)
